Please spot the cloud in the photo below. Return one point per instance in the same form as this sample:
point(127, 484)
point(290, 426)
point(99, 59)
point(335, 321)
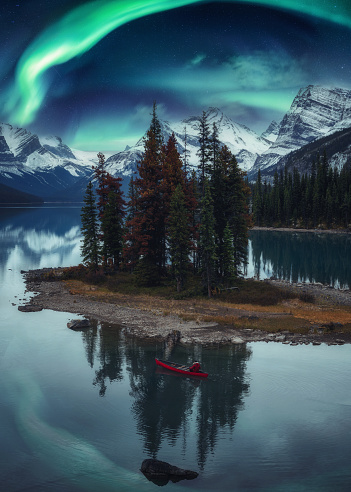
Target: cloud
point(259, 80)
point(265, 70)
point(197, 60)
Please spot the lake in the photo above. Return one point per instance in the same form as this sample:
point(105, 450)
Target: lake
point(81, 411)
point(301, 257)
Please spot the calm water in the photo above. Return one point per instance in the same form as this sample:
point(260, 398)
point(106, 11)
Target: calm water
point(80, 411)
point(301, 257)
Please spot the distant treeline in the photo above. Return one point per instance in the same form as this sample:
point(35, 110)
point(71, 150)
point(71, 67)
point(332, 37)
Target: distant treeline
point(11, 195)
point(321, 198)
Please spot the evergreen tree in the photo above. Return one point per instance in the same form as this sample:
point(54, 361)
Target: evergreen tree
point(186, 152)
point(172, 176)
point(207, 239)
point(111, 212)
point(155, 127)
point(192, 199)
point(215, 146)
point(257, 206)
point(239, 219)
point(100, 174)
point(228, 265)
point(219, 193)
point(145, 231)
point(179, 236)
point(318, 199)
point(112, 223)
point(204, 152)
point(90, 230)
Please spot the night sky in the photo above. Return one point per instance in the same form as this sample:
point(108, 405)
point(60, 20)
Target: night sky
point(90, 71)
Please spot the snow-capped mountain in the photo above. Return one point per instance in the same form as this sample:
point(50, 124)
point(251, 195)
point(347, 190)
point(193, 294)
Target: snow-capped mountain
point(315, 113)
point(46, 167)
point(41, 166)
point(244, 143)
point(336, 145)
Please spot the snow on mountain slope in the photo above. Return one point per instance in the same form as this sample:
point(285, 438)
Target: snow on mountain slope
point(315, 112)
point(245, 144)
point(38, 166)
point(45, 165)
point(272, 132)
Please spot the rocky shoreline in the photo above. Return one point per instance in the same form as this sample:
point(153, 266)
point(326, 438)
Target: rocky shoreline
point(297, 229)
point(155, 325)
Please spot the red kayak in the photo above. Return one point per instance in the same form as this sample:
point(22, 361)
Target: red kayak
point(173, 366)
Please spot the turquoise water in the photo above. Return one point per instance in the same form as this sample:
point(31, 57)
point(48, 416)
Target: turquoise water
point(301, 257)
point(81, 411)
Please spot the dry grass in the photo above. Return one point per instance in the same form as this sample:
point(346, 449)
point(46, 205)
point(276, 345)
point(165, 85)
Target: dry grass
point(287, 313)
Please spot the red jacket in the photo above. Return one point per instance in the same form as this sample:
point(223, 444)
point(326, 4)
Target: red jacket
point(195, 367)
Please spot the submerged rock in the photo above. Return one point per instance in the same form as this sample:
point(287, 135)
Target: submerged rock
point(160, 472)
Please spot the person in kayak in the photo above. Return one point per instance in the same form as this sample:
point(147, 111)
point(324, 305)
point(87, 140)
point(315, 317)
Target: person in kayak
point(195, 367)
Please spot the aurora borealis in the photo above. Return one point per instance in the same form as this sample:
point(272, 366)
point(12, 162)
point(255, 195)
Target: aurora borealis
point(90, 71)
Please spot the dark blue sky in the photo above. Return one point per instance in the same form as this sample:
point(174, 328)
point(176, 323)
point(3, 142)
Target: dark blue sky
point(246, 58)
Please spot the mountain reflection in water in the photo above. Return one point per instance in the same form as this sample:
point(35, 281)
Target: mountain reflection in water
point(168, 408)
point(279, 419)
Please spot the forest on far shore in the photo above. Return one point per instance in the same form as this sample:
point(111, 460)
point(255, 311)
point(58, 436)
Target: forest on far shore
point(319, 199)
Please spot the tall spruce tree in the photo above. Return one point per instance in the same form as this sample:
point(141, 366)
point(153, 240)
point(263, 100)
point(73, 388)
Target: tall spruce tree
point(91, 251)
point(112, 223)
point(145, 235)
point(186, 152)
point(207, 234)
point(228, 264)
point(111, 206)
point(239, 219)
point(204, 152)
point(179, 232)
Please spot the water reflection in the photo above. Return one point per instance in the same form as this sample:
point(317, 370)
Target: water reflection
point(105, 344)
point(170, 408)
point(302, 257)
point(39, 237)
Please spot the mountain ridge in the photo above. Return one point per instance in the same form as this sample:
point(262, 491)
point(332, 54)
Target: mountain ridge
point(47, 167)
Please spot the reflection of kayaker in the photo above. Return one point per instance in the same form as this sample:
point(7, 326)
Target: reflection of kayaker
point(195, 367)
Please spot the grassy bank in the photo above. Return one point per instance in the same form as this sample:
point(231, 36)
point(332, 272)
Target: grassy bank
point(255, 305)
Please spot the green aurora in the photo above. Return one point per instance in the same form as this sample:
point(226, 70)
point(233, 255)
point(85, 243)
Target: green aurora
point(273, 75)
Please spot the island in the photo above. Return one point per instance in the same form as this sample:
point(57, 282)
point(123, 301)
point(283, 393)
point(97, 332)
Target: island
point(306, 313)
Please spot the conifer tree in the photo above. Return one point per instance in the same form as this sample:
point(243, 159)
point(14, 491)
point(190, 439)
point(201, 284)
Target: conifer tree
point(179, 236)
point(207, 239)
point(239, 219)
point(215, 146)
point(204, 151)
point(90, 247)
point(145, 235)
point(186, 152)
point(111, 212)
point(228, 265)
point(112, 223)
point(257, 207)
point(100, 175)
point(192, 199)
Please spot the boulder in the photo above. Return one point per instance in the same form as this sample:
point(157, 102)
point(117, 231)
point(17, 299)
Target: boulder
point(160, 472)
point(30, 308)
point(78, 324)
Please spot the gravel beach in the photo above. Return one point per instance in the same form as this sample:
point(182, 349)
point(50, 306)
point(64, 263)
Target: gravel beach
point(151, 324)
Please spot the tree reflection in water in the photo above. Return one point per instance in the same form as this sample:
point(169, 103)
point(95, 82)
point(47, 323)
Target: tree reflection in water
point(105, 343)
point(167, 407)
point(307, 256)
